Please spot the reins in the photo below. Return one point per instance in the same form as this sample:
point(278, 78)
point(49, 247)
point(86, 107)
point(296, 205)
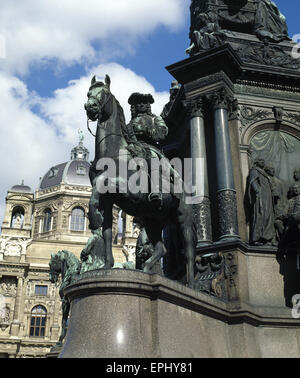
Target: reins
point(88, 121)
point(88, 127)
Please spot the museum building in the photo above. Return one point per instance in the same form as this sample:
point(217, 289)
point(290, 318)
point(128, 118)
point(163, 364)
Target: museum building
point(36, 224)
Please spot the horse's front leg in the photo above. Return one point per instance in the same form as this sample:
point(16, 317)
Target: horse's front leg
point(95, 217)
point(64, 327)
point(152, 265)
point(107, 234)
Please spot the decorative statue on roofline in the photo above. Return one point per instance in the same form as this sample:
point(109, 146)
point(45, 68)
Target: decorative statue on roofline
point(207, 33)
point(270, 24)
point(211, 22)
point(175, 87)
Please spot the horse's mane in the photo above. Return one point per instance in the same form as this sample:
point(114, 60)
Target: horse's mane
point(126, 130)
point(71, 257)
point(66, 255)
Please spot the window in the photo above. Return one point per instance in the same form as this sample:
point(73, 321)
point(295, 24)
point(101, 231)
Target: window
point(38, 321)
point(47, 220)
point(17, 218)
point(81, 170)
point(41, 290)
point(77, 219)
point(121, 222)
point(53, 172)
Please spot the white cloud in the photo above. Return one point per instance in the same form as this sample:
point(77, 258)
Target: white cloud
point(65, 110)
point(38, 30)
point(31, 142)
point(28, 144)
point(37, 133)
point(24, 135)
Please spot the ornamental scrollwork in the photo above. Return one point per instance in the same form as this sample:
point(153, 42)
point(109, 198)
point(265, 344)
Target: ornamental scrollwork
point(249, 116)
point(216, 275)
point(202, 218)
point(227, 221)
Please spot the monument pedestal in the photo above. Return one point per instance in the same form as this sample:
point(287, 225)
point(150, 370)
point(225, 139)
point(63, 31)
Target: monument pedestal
point(130, 314)
point(54, 353)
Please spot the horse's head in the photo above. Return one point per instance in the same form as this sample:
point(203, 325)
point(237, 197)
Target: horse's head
point(55, 265)
point(98, 96)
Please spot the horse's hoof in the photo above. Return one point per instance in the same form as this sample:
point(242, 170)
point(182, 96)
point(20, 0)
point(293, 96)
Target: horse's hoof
point(191, 285)
point(147, 269)
point(108, 266)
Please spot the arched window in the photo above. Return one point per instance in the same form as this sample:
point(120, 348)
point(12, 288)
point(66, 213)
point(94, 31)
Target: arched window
point(17, 218)
point(47, 220)
point(38, 321)
point(121, 223)
point(77, 219)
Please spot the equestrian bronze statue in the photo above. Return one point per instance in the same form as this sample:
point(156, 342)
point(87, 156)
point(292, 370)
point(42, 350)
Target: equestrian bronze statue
point(118, 143)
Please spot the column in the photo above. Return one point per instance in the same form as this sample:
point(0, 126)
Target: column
point(226, 193)
point(201, 202)
point(54, 330)
point(15, 327)
point(18, 299)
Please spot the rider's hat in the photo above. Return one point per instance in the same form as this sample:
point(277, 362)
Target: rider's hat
point(140, 98)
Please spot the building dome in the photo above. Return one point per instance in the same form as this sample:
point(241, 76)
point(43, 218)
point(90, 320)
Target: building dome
point(73, 172)
point(21, 188)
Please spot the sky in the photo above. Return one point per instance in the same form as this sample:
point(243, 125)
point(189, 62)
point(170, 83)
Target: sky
point(49, 51)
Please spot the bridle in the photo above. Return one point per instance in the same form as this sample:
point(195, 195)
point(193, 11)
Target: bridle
point(100, 110)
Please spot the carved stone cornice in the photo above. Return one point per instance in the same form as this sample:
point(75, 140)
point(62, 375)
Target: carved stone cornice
point(249, 115)
point(292, 117)
point(267, 54)
point(17, 268)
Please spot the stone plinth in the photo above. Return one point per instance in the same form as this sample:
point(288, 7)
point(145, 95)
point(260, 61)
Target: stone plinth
point(130, 314)
point(54, 352)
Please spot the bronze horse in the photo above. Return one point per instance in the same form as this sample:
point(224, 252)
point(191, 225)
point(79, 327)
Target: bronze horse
point(111, 145)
